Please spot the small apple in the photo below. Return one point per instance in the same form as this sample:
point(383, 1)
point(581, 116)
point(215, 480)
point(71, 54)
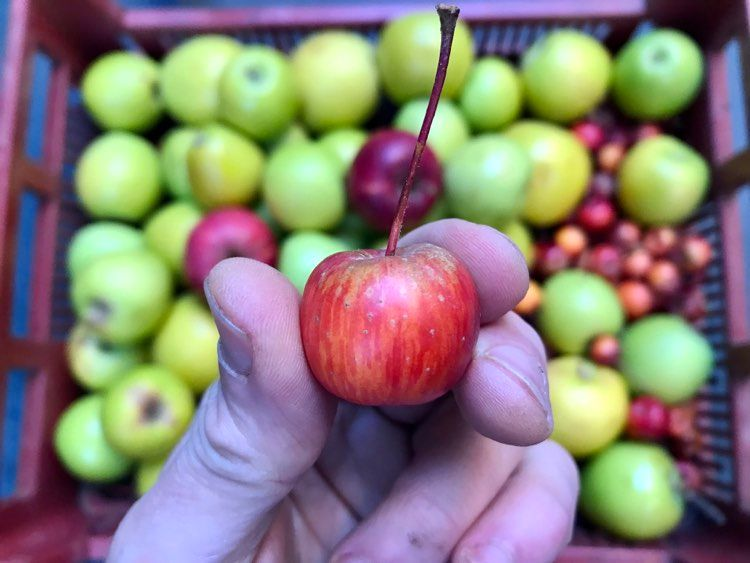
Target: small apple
point(303, 187)
point(257, 92)
point(626, 235)
point(118, 177)
point(121, 91)
point(605, 350)
point(99, 239)
point(295, 133)
point(94, 363)
point(173, 152)
point(572, 239)
point(146, 412)
point(337, 80)
point(660, 241)
point(648, 419)
point(633, 490)
point(696, 253)
point(302, 251)
point(492, 97)
point(449, 129)
point(590, 133)
point(549, 259)
point(224, 167)
point(589, 404)
point(344, 144)
point(167, 233)
point(521, 236)
point(636, 297)
point(486, 179)
point(609, 157)
point(186, 343)
point(565, 74)
point(123, 297)
point(596, 214)
point(146, 474)
point(637, 263)
point(531, 300)
point(190, 76)
point(664, 356)
point(664, 277)
point(604, 259)
point(81, 447)
point(577, 307)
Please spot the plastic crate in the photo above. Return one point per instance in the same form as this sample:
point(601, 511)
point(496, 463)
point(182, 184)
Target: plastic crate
point(46, 516)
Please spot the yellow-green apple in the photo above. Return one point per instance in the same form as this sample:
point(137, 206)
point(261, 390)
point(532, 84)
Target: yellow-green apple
point(94, 240)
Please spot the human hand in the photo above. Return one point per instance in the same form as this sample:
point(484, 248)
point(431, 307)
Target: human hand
point(270, 471)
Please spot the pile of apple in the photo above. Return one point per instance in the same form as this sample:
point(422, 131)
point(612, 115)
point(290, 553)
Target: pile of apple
point(285, 159)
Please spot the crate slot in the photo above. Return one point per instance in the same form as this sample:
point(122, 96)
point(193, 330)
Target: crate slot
point(23, 271)
point(42, 67)
point(736, 95)
point(11, 417)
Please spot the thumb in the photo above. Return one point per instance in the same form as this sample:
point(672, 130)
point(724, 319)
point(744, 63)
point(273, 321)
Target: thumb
point(258, 429)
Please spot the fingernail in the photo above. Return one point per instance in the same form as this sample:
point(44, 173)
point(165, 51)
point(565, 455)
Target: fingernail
point(235, 345)
point(486, 553)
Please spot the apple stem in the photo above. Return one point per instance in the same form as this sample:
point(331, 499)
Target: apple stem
point(448, 17)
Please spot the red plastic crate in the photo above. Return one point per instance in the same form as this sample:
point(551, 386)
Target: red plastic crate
point(46, 516)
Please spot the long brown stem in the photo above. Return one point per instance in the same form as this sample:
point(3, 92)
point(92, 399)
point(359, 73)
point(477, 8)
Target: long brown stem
point(448, 17)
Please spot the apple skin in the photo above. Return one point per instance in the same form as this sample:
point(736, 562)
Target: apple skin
point(123, 297)
point(378, 173)
point(186, 343)
point(390, 330)
point(657, 75)
point(146, 474)
point(257, 93)
point(146, 412)
point(121, 91)
point(662, 181)
point(173, 153)
point(167, 232)
point(337, 80)
point(492, 97)
point(225, 233)
point(664, 356)
point(95, 240)
point(449, 131)
point(589, 404)
point(118, 177)
point(81, 447)
point(302, 251)
point(633, 490)
point(190, 75)
point(95, 364)
point(344, 144)
point(407, 56)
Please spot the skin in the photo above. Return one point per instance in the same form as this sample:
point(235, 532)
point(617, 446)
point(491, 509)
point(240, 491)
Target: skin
point(267, 455)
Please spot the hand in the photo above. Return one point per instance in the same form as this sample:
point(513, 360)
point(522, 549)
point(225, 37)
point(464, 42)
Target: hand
point(269, 470)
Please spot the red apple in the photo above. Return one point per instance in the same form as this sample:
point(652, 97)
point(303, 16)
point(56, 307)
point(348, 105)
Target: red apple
point(636, 297)
point(626, 234)
point(549, 259)
point(590, 133)
point(379, 171)
point(648, 419)
point(637, 263)
point(664, 277)
point(605, 350)
point(610, 155)
point(660, 241)
point(606, 260)
point(696, 253)
point(691, 475)
point(596, 214)
point(226, 233)
point(646, 130)
point(571, 239)
point(693, 306)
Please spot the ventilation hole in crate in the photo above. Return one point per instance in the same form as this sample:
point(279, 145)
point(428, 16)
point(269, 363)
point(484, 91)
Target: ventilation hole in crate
point(21, 304)
point(42, 67)
point(11, 421)
point(736, 95)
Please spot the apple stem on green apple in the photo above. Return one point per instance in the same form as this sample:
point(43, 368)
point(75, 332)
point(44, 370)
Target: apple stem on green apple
point(448, 17)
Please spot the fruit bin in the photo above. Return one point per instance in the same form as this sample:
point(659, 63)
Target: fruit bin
point(46, 516)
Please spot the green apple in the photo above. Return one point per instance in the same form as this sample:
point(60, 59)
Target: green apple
point(589, 404)
point(121, 91)
point(146, 412)
point(662, 181)
point(521, 236)
point(146, 474)
point(657, 74)
point(633, 490)
point(486, 179)
point(94, 240)
point(224, 167)
point(302, 251)
point(186, 343)
point(449, 131)
point(167, 232)
point(578, 306)
point(81, 446)
point(257, 93)
point(173, 152)
point(123, 297)
point(565, 74)
point(492, 97)
point(561, 168)
point(664, 356)
point(96, 364)
point(295, 133)
point(303, 187)
point(344, 144)
point(118, 177)
point(190, 76)
point(337, 80)
point(438, 211)
point(264, 213)
point(407, 57)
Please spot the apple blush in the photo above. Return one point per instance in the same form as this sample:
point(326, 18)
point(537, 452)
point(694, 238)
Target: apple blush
point(393, 327)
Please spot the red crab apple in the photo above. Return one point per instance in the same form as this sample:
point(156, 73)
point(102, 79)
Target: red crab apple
point(226, 233)
point(648, 419)
point(393, 327)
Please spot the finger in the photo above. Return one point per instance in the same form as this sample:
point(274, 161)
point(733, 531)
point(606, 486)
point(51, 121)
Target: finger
point(453, 476)
point(504, 394)
point(545, 486)
point(257, 430)
point(497, 266)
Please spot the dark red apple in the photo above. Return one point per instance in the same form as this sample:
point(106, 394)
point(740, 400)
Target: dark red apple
point(605, 350)
point(693, 306)
point(378, 173)
point(226, 233)
point(602, 185)
point(648, 419)
point(549, 259)
point(660, 241)
point(626, 234)
point(606, 260)
point(596, 214)
point(646, 130)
